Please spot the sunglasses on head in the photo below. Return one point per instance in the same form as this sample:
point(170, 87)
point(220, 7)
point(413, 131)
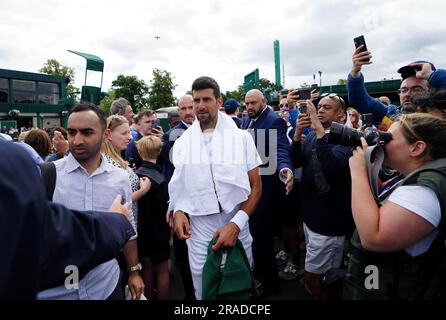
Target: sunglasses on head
point(334, 95)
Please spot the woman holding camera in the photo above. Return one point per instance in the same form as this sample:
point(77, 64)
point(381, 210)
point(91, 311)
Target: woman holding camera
point(399, 246)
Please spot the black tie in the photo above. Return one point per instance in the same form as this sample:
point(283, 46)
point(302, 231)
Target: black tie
point(251, 123)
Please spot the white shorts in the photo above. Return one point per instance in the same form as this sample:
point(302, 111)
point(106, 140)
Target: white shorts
point(203, 229)
point(323, 252)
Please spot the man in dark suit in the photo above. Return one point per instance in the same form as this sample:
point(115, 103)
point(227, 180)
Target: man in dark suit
point(269, 133)
point(187, 117)
point(41, 239)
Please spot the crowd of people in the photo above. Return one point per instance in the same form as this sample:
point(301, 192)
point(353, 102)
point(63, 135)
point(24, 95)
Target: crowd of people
point(232, 183)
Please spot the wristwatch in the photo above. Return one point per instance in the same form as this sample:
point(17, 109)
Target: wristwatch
point(136, 267)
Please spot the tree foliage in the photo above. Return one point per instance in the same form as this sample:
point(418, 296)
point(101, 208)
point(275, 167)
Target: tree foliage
point(132, 89)
point(265, 83)
point(161, 90)
point(54, 68)
point(342, 81)
point(235, 94)
point(106, 102)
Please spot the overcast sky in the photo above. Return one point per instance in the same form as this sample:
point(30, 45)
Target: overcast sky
point(222, 39)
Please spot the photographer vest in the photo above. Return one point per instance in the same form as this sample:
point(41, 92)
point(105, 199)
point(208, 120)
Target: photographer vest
point(400, 276)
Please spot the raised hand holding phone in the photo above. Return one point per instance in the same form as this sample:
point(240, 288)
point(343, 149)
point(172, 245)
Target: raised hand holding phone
point(360, 56)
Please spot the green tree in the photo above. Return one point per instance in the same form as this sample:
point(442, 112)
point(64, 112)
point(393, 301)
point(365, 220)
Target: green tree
point(304, 85)
point(132, 89)
point(265, 83)
point(106, 102)
point(54, 68)
point(161, 90)
point(342, 81)
point(235, 94)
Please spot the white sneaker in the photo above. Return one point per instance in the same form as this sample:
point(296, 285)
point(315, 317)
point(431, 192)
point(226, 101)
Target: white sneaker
point(282, 257)
point(290, 272)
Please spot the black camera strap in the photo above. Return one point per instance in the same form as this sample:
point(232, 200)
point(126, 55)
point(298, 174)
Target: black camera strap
point(374, 158)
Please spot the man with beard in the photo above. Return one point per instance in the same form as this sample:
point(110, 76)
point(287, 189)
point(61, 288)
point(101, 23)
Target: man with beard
point(216, 181)
point(261, 119)
point(418, 77)
point(86, 181)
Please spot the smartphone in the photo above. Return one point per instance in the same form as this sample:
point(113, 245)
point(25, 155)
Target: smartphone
point(304, 94)
point(156, 123)
point(360, 40)
point(314, 86)
point(303, 109)
point(367, 118)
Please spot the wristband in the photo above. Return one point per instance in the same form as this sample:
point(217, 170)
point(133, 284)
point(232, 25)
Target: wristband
point(240, 219)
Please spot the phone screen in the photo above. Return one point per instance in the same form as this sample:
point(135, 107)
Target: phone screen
point(304, 94)
point(358, 41)
point(367, 118)
point(155, 123)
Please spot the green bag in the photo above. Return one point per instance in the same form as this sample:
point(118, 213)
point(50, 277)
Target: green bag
point(227, 274)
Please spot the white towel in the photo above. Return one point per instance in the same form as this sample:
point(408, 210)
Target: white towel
point(191, 188)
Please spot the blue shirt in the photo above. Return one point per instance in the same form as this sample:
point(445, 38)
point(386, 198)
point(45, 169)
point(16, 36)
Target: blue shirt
point(78, 191)
point(131, 153)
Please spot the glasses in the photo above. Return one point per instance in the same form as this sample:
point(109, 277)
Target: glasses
point(283, 105)
point(415, 90)
point(334, 95)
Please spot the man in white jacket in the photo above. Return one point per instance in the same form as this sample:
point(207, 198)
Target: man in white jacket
point(216, 180)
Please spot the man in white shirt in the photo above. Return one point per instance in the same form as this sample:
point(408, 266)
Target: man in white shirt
point(86, 181)
point(216, 180)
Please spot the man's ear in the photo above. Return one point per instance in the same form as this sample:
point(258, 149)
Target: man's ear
point(342, 115)
point(219, 102)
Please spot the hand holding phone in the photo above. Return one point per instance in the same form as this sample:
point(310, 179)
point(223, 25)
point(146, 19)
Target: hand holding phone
point(360, 56)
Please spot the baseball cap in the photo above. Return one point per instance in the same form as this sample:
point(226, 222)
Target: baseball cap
point(231, 104)
point(409, 71)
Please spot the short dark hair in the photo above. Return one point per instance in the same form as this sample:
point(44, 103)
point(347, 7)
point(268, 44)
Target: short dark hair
point(436, 99)
point(206, 83)
point(81, 107)
point(172, 114)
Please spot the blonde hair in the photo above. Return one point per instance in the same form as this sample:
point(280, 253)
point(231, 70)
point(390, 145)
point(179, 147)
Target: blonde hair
point(22, 135)
point(425, 127)
point(149, 147)
point(107, 147)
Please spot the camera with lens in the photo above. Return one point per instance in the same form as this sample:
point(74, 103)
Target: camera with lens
point(350, 137)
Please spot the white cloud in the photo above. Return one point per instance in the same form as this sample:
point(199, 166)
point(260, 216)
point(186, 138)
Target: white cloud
point(222, 39)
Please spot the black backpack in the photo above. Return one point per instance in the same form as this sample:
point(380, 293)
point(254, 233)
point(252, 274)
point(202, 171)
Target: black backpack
point(48, 173)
